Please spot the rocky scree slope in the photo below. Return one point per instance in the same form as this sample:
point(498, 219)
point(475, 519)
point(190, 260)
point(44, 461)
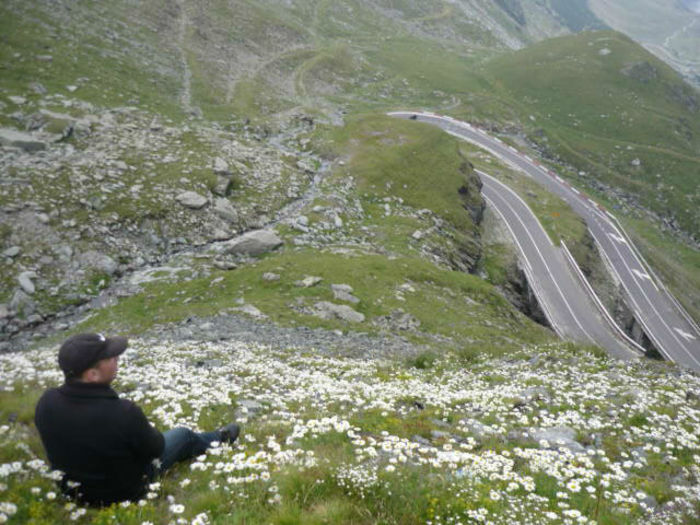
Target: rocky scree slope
point(125, 190)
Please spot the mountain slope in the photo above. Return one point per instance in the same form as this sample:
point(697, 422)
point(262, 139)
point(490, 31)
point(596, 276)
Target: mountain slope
point(197, 78)
point(365, 343)
point(668, 28)
point(615, 111)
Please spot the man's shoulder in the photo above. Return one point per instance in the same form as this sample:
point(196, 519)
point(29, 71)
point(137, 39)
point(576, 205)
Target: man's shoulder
point(48, 403)
point(48, 395)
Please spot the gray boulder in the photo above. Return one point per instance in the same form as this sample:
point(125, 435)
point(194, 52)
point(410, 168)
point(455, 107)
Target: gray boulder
point(327, 310)
point(21, 302)
point(191, 199)
point(440, 434)
point(12, 252)
point(224, 209)
point(477, 429)
point(4, 311)
point(343, 292)
point(531, 395)
point(270, 276)
point(250, 310)
point(223, 186)
point(308, 281)
point(34, 319)
point(17, 139)
point(220, 166)
point(397, 320)
point(37, 88)
point(247, 408)
point(219, 235)
point(61, 123)
point(252, 243)
point(225, 265)
point(557, 437)
point(25, 281)
point(99, 261)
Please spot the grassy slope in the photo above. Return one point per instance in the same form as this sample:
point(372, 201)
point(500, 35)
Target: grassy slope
point(308, 66)
point(601, 119)
point(113, 71)
point(385, 157)
point(365, 441)
point(421, 491)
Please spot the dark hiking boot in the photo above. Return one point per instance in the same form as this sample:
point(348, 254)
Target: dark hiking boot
point(229, 433)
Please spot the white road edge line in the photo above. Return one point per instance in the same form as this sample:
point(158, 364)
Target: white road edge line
point(577, 270)
point(605, 214)
point(544, 260)
point(529, 272)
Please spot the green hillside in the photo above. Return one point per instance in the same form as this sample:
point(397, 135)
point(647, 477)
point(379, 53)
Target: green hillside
point(595, 101)
point(604, 104)
point(373, 345)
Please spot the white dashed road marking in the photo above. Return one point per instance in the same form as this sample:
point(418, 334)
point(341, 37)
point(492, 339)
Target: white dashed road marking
point(617, 238)
point(684, 334)
point(641, 275)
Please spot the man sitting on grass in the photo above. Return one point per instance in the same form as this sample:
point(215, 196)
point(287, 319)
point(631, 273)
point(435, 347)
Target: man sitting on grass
point(104, 445)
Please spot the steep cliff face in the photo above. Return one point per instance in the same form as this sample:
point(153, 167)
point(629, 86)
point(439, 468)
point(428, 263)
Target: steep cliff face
point(501, 266)
point(470, 250)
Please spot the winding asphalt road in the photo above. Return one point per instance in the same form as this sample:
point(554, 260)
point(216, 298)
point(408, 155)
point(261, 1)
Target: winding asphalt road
point(567, 306)
point(672, 331)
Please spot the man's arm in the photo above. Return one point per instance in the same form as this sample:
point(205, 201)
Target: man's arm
point(144, 439)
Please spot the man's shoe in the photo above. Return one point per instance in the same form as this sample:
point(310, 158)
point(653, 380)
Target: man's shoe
point(229, 433)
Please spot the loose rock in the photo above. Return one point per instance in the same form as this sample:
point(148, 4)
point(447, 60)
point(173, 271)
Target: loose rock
point(250, 310)
point(327, 310)
point(225, 265)
point(557, 437)
point(308, 282)
point(221, 167)
point(25, 281)
point(21, 302)
point(191, 199)
point(223, 186)
point(12, 252)
point(224, 209)
point(17, 139)
point(252, 243)
point(343, 292)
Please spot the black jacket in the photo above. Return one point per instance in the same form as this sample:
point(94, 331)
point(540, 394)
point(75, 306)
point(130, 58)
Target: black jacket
point(98, 440)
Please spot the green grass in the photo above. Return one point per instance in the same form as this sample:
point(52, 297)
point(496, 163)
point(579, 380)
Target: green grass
point(557, 218)
point(112, 78)
point(439, 303)
point(417, 163)
point(385, 158)
point(600, 113)
point(369, 492)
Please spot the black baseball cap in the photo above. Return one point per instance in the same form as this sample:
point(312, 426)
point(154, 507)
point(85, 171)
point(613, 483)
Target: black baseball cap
point(82, 351)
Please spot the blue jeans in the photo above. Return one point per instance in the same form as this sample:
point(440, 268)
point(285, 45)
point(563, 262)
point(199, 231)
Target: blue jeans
point(182, 443)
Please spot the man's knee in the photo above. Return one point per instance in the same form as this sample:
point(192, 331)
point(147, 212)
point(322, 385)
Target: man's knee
point(179, 432)
point(179, 438)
